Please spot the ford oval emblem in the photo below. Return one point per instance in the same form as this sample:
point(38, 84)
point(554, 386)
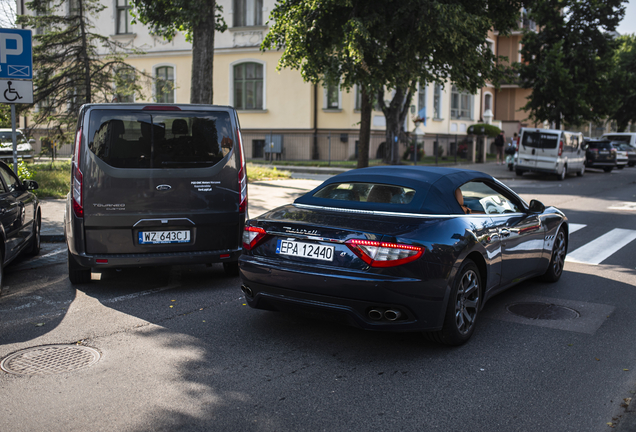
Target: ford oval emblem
point(164, 187)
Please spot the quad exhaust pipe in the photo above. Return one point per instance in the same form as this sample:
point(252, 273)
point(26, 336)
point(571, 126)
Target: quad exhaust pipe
point(247, 291)
point(377, 314)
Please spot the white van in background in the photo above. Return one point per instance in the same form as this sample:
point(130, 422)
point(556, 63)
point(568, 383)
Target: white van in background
point(624, 137)
point(550, 151)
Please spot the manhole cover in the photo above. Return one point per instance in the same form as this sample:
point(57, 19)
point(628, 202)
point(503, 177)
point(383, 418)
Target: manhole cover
point(543, 311)
point(50, 359)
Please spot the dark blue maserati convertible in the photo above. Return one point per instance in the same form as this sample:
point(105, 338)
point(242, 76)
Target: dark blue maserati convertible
point(401, 248)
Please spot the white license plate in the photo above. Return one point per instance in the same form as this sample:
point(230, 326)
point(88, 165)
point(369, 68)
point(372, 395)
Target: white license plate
point(164, 237)
point(603, 152)
point(305, 250)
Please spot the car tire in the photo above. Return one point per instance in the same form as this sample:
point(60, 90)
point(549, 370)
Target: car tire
point(608, 169)
point(77, 273)
point(231, 268)
point(519, 172)
point(557, 259)
point(620, 166)
point(580, 172)
point(563, 174)
point(36, 239)
point(463, 307)
point(631, 164)
point(1, 274)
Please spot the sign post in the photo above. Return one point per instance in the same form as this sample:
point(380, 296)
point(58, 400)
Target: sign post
point(16, 74)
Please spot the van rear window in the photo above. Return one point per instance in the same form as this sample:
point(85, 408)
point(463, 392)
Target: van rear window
point(540, 140)
point(166, 139)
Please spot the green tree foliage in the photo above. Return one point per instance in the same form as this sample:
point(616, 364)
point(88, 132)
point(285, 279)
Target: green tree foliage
point(390, 45)
point(568, 61)
point(72, 64)
point(624, 83)
point(198, 19)
point(5, 116)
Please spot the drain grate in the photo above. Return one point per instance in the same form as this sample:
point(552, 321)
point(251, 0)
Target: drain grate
point(49, 360)
point(542, 311)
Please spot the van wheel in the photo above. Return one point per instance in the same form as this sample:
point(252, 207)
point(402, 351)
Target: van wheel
point(561, 176)
point(580, 172)
point(77, 273)
point(608, 169)
point(231, 268)
point(519, 172)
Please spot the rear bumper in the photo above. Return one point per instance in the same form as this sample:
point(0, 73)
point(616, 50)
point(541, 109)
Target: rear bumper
point(537, 169)
point(343, 297)
point(156, 259)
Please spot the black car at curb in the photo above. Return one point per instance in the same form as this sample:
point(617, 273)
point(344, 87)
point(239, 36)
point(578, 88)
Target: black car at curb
point(401, 249)
point(21, 218)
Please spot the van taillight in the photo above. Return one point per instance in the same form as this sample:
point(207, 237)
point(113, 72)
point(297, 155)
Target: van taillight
point(77, 179)
point(560, 147)
point(242, 175)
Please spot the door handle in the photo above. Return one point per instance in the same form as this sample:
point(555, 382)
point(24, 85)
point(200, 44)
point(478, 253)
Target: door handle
point(504, 233)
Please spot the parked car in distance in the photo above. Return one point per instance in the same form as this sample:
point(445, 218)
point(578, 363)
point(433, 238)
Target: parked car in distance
point(600, 154)
point(628, 138)
point(155, 185)
point(550, 151)
point(631, 153)
point(401, 249)
point(622, 159)
point(21, 218)
point(23, 147)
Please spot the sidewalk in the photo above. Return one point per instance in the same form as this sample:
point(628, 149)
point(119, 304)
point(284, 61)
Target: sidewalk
point(263, 195)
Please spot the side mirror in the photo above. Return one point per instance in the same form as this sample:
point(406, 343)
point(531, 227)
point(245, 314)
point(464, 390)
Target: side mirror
point(30, 184)
point(537, 206)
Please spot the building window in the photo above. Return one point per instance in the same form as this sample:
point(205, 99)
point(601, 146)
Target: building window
point(248, 86)
point(421, 100)
point(461, 104)
point(123, 17)
point(125, 85)
point(248, 13)
point(437, 102)
point(332, 96)
point(164, 84)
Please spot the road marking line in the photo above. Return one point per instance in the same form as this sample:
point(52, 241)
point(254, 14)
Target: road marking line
point(600, 249)
point(575, 227)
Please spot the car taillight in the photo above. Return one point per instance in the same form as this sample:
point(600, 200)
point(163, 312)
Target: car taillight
point(77, 179)
point(560, 147)
point(251, 236)
point(382, 254)
point(242, 175)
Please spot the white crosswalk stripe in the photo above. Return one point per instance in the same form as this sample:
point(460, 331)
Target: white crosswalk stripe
point(575, 227)
point(601, 248)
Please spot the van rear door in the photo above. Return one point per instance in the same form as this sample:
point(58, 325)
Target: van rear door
point(161, 180)
point(540, 149)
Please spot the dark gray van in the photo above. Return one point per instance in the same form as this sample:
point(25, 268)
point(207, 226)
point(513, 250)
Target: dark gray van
point(153, 185)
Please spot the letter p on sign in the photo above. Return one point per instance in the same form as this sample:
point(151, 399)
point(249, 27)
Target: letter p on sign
point(9, 48)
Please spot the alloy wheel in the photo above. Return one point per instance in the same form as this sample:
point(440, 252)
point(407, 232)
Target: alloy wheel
point(558, 253)
point(467, 302)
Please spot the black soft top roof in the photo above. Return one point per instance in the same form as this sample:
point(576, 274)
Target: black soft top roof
point(434, 188)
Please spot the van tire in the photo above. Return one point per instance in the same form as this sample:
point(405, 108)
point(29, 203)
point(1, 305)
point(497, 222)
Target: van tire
point(231, 268)
point(580, 172)
point(519, 172)
point(563, 174)
point(608, 169)
point(77, 274)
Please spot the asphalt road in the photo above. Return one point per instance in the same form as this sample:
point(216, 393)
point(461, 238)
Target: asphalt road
point(180, 350)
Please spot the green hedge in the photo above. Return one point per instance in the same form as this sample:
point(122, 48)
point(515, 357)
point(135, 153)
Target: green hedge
point(488, 130)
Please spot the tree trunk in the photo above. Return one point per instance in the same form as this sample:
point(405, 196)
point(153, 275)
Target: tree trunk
point(365, 129)
point(395, 114)
point(201, 84)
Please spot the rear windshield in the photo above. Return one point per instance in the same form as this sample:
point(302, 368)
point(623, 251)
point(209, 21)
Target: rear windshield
point(600, 145)
point(7, 137)
point(166, 139)
point(540, 140)
point(367, 192)
point(620, 138)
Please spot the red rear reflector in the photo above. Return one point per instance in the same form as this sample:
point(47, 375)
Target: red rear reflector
point(101, 261)
point(251, 236)
point(161, 108)
point(560, 147)
point(224, 256)
point(383, 254)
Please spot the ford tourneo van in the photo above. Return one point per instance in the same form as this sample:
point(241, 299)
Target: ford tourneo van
point(550, 151)
point(154, 185)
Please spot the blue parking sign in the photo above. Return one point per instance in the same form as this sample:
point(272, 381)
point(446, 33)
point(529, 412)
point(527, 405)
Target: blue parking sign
point(16, 54)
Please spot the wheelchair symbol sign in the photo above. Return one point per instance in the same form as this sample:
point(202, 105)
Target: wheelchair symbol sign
point(16, 91)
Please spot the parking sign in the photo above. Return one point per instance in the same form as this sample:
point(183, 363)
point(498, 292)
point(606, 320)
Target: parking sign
point(16, 54)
